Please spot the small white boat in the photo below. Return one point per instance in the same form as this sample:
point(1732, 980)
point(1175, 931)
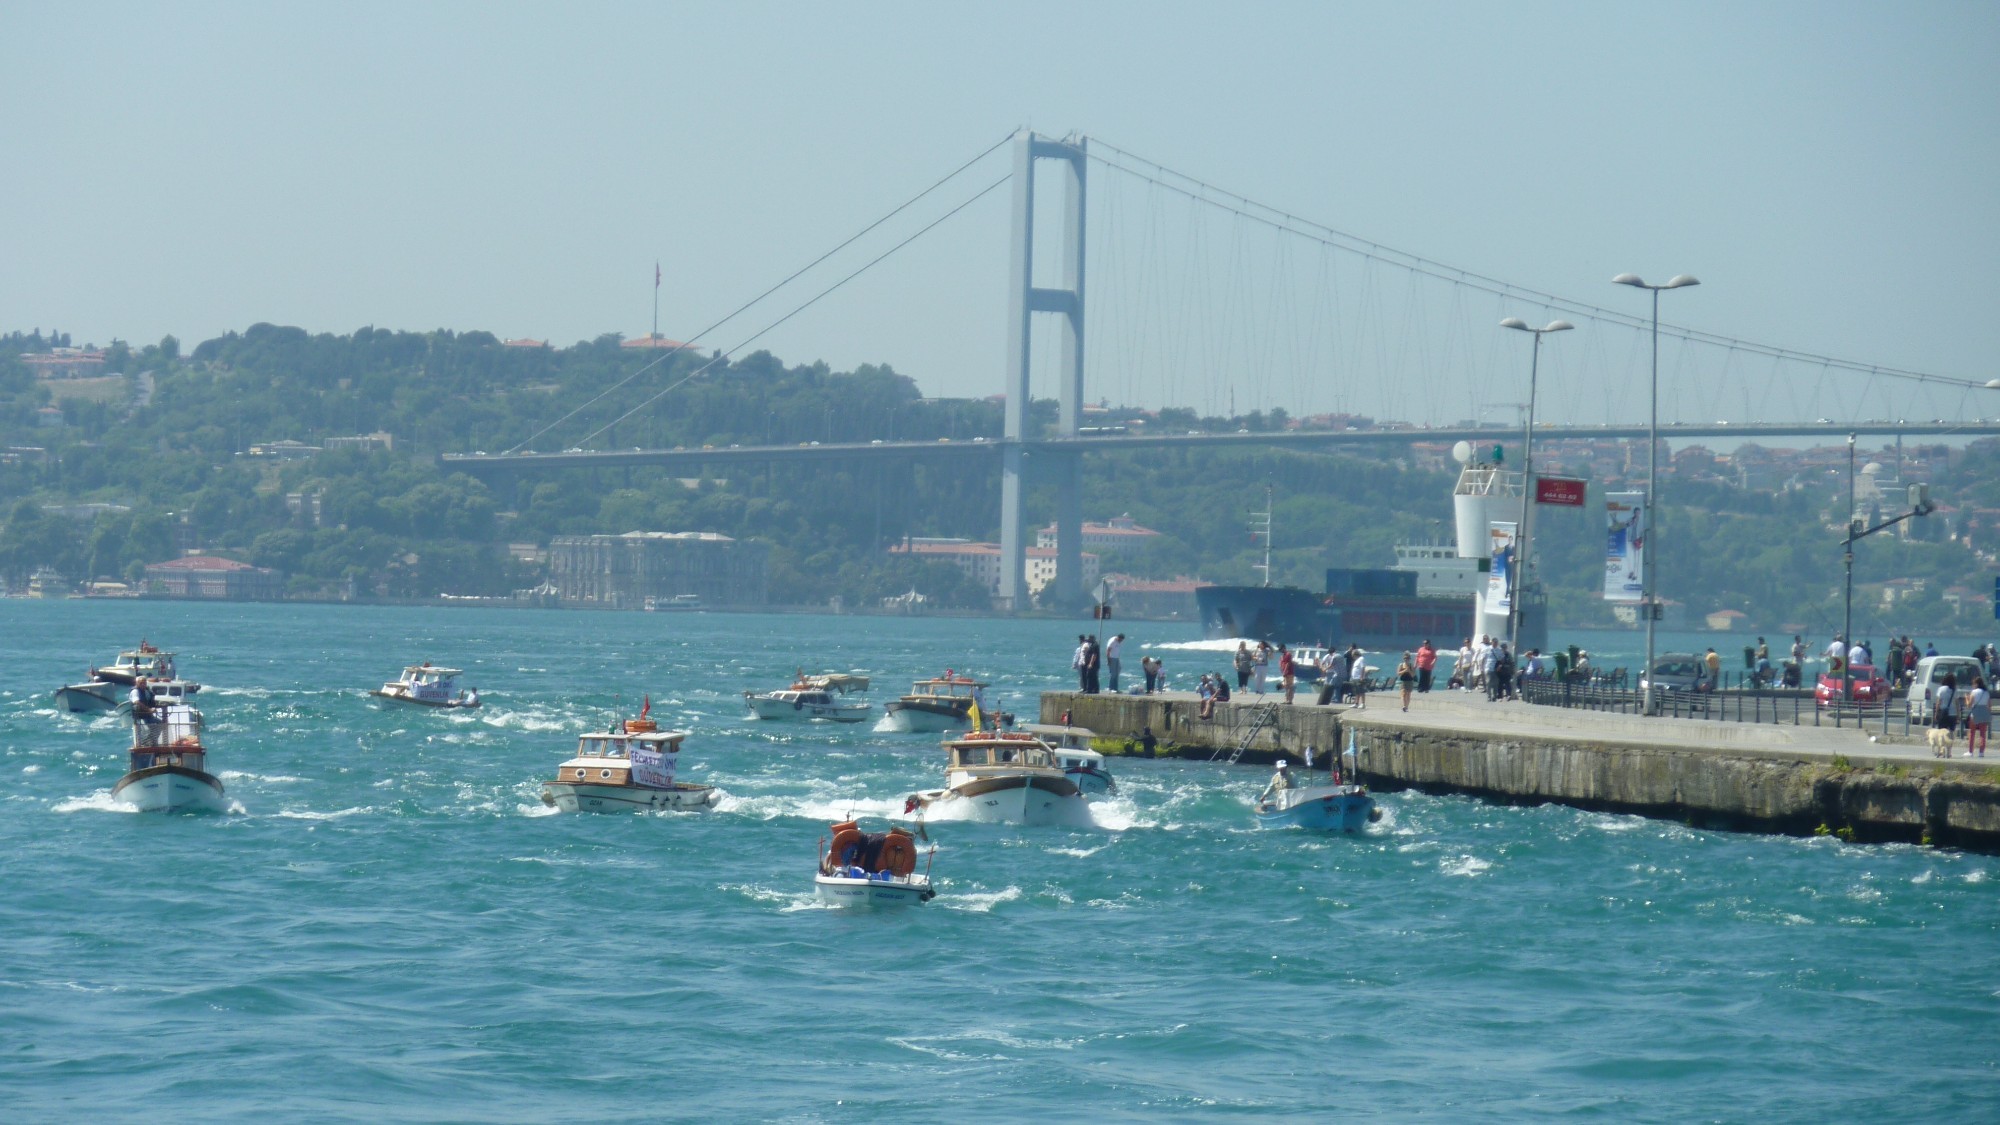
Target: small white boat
point(167, 772)
point(89, 697)
point(145, 660)
point(1000, 777)
point(1325, 808)
point(629, 768)
point(813, 697)
point(872, 869)
point(428, 685)
point(940, 704)
point(1072, 746)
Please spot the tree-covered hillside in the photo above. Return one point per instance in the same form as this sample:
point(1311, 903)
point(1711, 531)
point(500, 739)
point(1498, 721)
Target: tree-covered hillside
point(163, 451)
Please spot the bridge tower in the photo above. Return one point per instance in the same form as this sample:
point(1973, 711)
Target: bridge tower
point(1026, 299)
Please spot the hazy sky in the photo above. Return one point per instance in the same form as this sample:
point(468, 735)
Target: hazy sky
point(1830, 171)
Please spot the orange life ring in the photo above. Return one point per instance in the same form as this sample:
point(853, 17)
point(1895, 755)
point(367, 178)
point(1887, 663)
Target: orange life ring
point(845, 836)
point(899, 853)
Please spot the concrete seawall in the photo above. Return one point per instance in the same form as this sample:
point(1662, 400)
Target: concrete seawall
point(1745, 777)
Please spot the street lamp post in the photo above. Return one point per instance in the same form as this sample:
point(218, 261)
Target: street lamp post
point(1520, 575)
point(1649, 521)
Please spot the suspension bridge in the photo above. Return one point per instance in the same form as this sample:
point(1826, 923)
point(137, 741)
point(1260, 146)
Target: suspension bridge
point(1200, 295)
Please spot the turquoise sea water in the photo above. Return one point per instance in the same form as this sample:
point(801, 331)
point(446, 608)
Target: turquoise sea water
point(392, 927)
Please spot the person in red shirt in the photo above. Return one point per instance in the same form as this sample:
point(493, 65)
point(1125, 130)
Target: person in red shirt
point(1427, 658)
point(1286, 672)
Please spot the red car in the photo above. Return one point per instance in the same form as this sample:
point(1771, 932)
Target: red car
point(1870, 689)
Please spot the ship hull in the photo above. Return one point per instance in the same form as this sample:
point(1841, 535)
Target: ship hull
point(1293, 616)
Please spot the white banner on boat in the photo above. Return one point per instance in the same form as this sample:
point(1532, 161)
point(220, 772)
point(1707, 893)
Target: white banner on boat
point(650, 767)
point(1625, 550)
point(1499, 581)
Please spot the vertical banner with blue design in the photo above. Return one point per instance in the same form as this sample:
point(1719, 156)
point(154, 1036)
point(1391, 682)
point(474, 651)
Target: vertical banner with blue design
point(1500, 580)
point(1625, 552)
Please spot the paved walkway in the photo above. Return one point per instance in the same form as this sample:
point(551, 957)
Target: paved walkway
point(1471, 714)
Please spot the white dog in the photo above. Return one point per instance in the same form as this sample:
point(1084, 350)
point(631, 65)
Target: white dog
point(1940, 740)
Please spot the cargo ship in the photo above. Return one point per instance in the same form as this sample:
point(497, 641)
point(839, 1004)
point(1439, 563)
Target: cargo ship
point(1435, 591)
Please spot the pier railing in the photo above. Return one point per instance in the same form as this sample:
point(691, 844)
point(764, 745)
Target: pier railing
point(1789, 707)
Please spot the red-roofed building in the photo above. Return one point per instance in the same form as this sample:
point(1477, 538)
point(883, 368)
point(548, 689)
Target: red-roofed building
point(981, 561)
point(206, 576)
point(1121, 534)
point(525, 342)
point(651, 341)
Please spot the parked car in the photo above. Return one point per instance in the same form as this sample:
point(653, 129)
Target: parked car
point(1869, 689)
point(1929, 671)
point(1680, 671)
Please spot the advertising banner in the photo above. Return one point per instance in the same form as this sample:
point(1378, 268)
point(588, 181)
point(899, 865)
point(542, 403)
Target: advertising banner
point(1500, 580)
point(650, 767)
point(1565, 491)
point(1625, 550)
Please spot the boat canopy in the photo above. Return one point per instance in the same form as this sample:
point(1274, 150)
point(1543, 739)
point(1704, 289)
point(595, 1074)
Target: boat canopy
point(1060, 736)
point(429, 673)
point(600, 744)
point(837, 681)
point(974, 754)
point(948, 685)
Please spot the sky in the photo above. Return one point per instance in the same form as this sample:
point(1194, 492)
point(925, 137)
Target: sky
point(1828, 170)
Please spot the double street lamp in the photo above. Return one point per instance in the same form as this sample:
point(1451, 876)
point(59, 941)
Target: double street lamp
point(1649, 528)
point(1520, 575)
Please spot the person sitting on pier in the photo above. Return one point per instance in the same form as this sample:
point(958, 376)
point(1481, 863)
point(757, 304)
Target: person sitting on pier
point(1280, 781)
point(1206, 693)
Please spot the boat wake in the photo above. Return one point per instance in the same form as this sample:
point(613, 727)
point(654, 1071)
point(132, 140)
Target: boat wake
point(830, 809)
point(978, 902)
point(99, 801)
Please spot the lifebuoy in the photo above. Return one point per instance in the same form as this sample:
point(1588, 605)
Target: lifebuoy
point(846, 839)
point(899, 853)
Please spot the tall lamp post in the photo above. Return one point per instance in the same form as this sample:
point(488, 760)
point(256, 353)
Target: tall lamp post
point(1527, 476)
point(1648, 523)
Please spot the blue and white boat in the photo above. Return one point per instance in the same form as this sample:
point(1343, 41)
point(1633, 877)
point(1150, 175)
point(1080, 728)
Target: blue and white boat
point(1320, 808)
point(1072, 746)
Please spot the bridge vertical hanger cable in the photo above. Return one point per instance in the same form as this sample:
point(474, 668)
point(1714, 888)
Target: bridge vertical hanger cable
point(808, 303)
point(1202, 192)
point(793, 276)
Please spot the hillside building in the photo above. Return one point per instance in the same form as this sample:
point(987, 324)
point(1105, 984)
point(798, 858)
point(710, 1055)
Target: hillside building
point(623, 571)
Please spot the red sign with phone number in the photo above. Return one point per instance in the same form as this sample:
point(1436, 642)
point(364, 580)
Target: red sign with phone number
point(1559, 490)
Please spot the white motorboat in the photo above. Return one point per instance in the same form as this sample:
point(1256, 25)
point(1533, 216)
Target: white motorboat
point(167, 772)
point(629, 768)
point(430, 686)
point(1001, 777)
point(872, 869)
point(813, 697)
point(1072, 746)
point(90, 696)
point(940, 704)
point(145, 660)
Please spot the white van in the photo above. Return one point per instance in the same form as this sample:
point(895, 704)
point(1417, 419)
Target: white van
point(1930, 670)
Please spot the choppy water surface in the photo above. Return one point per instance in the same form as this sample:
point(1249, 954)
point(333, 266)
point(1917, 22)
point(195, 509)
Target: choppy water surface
point(392, 925)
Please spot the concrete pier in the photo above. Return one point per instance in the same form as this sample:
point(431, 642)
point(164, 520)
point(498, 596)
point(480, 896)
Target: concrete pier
point(1739, 776)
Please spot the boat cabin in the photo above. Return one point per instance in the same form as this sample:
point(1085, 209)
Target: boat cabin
point(144, 661)
point(1072, 758)
point(832, 681)
point(1002, 753)
point(949, 686)
point(624, 757)
point(170, 736)
point(430, 683)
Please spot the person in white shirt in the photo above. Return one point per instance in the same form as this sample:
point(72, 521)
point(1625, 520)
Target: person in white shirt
point(1857, 655)
point(1836, 652)
point(1111, 651)
point(1462, 670)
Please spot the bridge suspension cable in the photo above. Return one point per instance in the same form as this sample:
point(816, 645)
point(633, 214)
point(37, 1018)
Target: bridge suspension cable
point(1202, 192)
point(759, 298)
point(803, 306)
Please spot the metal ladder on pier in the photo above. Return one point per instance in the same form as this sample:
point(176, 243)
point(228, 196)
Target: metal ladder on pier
point(1267, 715)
